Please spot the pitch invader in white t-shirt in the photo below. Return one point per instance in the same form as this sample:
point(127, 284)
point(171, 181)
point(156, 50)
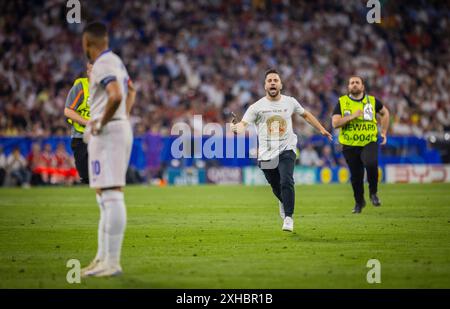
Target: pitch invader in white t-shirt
point(109, 138)
point(272, 116)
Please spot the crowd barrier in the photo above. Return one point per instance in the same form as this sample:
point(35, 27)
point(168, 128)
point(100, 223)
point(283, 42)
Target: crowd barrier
point(390, 173)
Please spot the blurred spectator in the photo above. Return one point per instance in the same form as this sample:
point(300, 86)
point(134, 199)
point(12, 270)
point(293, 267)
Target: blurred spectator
point(327, 157)
point(64, 171)
point(2, 166)
point(16, 166)
point(36, 164)
point(309, 156)
point(48, 163)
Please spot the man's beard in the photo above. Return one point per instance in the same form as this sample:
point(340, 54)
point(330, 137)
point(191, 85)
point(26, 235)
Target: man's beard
point(355, 92)
point(275, 93)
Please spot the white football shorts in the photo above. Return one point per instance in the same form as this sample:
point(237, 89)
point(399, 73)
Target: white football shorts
point(109, 155)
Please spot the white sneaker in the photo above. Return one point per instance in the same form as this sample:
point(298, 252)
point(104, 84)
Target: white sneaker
point(288, 224)
point(103, 270)
point(281, 206)
point(91, 266)
point(109, 272)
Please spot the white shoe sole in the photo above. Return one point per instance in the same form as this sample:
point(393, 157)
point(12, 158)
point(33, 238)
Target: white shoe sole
point(108, 273)
point(103, 272)
point(288, 226)
point(288, 229)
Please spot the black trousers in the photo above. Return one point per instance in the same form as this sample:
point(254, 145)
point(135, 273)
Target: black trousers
point(80, 153)
point(357, 159)
point(281, 179)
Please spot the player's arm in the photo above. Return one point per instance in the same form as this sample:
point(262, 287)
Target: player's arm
point(131, 96)
point(74, 99)
point(316, 124)
point(114, 99)
point(384, 120)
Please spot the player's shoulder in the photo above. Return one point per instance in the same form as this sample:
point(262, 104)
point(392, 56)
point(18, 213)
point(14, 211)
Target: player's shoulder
point(258, 103)
point(105, 59)
point(288, 99)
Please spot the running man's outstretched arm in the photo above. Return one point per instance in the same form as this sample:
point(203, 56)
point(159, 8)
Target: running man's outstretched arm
point(239, 127)
point(316, 124)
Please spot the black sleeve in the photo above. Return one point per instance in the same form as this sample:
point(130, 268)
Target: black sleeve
point(378, 105)
point(337, 109)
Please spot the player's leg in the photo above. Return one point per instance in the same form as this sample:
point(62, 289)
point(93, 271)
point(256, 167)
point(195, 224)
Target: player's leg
point(110, 177)
point(111, 237)
point(96, 154)
point(101, 245)
point(352, 156)
point(286, 169)
point(114, 203)
point(369, 157)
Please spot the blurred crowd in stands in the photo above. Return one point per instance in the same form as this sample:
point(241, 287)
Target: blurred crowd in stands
point(209, 57)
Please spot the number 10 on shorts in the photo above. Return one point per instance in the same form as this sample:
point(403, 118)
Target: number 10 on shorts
point(95, 166)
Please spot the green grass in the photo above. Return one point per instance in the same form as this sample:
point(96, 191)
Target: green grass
point(230, 237)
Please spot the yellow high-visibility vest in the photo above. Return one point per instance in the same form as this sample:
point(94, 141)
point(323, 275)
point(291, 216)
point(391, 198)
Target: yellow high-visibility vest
point(83, 108)
point(362, 130)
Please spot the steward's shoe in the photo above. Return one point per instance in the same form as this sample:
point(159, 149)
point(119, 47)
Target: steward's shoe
point(358, 207)
point(375, 200)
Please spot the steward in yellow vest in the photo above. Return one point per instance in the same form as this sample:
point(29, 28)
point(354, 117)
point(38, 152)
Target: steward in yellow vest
point(77, 112)
point(79, 104)
point(355, 116)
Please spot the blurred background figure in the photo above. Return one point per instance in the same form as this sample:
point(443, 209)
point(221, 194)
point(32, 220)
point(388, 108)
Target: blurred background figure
point(48, 163)
point(16, 167)
point(36, 164)
point(2, 166)
point(64, 171)
point(327, 157)
point(309, 156)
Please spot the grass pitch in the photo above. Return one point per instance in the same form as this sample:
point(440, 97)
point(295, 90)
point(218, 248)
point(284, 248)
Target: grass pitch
point(230, 237)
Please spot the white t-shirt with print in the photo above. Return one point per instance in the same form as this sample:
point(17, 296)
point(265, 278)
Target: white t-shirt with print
point(273, 120)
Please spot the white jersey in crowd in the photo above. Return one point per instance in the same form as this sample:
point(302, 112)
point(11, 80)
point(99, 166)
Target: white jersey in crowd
point(273, 120)
point(107, 67)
